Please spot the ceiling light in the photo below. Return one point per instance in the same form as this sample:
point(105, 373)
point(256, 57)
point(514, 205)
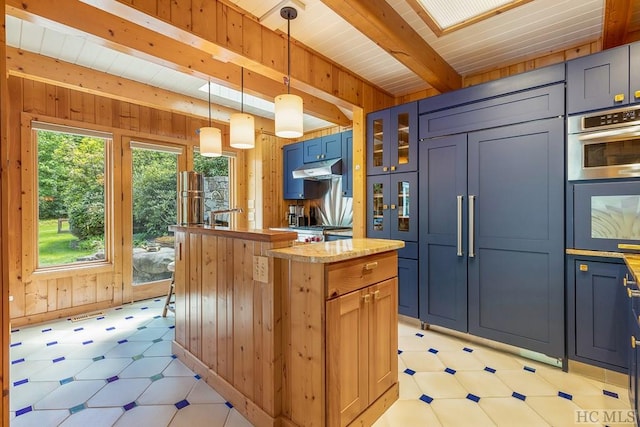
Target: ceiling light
point(242, 133)
point(210, 138)
point(288, 107)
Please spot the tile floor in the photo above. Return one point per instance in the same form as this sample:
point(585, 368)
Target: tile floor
point(117, 370)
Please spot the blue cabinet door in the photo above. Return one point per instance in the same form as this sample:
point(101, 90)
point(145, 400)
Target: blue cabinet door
point(378, 131)
point(347, 163)
point(403, 142)
point(634, 73)
point(516, 229)
point(292, 155)
point(403, 208)
point(312, 149)
point(598, 81)
point(408, 287)
point(601, 333)
point(378, 222)
point(443, 275)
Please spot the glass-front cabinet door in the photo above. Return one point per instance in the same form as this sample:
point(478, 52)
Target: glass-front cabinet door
point(403, 210)
point(392, 140)
point(378, 206)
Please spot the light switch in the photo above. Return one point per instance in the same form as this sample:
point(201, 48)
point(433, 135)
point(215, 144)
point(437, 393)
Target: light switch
point(260, 269)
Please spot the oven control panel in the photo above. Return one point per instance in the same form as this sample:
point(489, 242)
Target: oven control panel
point(610, 118)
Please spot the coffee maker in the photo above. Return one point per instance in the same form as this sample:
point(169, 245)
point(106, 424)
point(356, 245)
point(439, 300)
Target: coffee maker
point(296, 217)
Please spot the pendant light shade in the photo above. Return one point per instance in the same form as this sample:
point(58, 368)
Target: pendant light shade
point(288, 107)
point(242, 134)
point(210, 142)
point(210, 137)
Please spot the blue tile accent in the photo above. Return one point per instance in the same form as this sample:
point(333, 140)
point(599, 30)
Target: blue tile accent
point(399, 351)
point(49, 344)
point(418, 334)
point(15, 362)
point(129, 405)
point(488, 369)
point(565, 395)
point(77, 408)
point(173, 356)
point(95, 359)
point(15, 330)
point(123, 341)
point(518, 395)
point(87, 342)
point(433, 350)
point(426, 399)
point(473, 397)
point(156, 377)
point(24, 410)
point(59, 359)
point(128, 317)
point(157, 340)
point(409, 371)
point(610, 394)
point(468, 350)
point(113, 378)
point(450, 371)
point(100, 318)
point(78, 329)
point(530, 369)
point(66, 380)
point(156, 300)
point(182, 404)
point(119, 308)
point(15, 344)
point(144, 308)
point(110, 328)
point(47, 330)
point(197, 376)
point(172, 327)
point(229, 405)
point(23, 381)
point(141, 328)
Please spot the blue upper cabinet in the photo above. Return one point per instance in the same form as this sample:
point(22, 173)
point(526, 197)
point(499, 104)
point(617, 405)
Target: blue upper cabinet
point(347, 163)
point(392, 140)
point(601, 80)
point(323, 148)
point(392, 208)
point(296, 189)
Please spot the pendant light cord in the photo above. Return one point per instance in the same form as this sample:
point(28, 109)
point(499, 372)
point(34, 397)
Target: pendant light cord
point(289, 55)
point(209, 91)
point(242, 90)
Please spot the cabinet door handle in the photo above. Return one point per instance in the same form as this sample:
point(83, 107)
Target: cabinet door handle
point(636, 94)
point(619, 97)
point(180, 251)
point(393, 206)
point(376, 295)
point(366, 298)
point(385, 169)
point(385, 206)
point(634, 342)
point(472, 226)
point(633, 293)
point(626, 282)
point(393, 168)
point(371, 265)
point(459, 239)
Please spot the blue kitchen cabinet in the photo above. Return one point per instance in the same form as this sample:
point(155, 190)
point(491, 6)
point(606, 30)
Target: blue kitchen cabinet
point(296, 189)
point(600, 315)
point(601, 80)
point(392, 208)
point(407, 287)
point(392, 140)
point(322, 148)
point(347, 163)
point(492, 226)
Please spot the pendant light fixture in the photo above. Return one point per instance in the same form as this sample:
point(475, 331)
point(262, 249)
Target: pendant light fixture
point(288, 107)
point(210, 137)
point(242, 133)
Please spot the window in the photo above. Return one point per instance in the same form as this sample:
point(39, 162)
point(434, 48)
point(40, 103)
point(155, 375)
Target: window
point(217, 185)
point(72, 192)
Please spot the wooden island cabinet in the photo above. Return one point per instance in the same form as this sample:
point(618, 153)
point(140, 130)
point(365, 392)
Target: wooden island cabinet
point(291, 335)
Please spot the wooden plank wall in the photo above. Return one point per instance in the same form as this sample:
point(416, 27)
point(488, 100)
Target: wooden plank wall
point(41, 297)
point(4, 271)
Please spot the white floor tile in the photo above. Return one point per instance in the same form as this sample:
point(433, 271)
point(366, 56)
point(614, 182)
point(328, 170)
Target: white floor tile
point(460, 360)
point(61, 370)
point(461, 412)
point(148, 334)
point(162, 348)
point(40, 418)
point(554, 410)
point(28, 368)
point(28, 394)
point(104, 417)
point(203, 393)
point(422, 361)
point(508, 411)
point(410, 413)
point(177, 369)
point(155, 415)
point(439, 385)
point(104, 368)
point(527, 383)
point(168, 390)
point(235, 419)
point(70, 395)
point(146, 367)
point(128, 349)
point(119, 392)
point(483, 384)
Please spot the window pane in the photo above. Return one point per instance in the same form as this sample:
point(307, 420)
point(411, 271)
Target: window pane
point(216, 185)
point(71, 198)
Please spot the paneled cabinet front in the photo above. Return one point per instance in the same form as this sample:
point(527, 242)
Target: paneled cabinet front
point(322, 148)
point(491, 234)
point(605, 79)
point(601, 327)
point(392, 138)
point(294, 188)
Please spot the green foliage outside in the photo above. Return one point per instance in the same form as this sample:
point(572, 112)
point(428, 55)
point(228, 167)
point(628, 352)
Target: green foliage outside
point(58, 248)
point(210, 166)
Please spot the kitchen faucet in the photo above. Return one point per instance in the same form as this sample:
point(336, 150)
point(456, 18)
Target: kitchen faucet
point(225, 211)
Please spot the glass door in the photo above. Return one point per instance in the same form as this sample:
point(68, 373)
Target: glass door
point(404, 215)
point(378, 206)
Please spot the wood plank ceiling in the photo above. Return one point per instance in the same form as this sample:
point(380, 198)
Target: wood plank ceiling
point(345, 53)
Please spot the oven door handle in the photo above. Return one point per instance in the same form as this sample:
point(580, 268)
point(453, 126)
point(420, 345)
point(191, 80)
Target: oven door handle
point(611, 134)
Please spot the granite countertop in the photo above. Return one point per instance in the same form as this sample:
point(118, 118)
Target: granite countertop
point(239, 233)
point(633, 262)
point(603, 254)
point(338, 250)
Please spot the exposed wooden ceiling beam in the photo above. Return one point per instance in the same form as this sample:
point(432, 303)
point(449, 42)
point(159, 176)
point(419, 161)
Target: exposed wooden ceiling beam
point(382, 24)
point(617, 15)
point(117, 33)
point(48, 70)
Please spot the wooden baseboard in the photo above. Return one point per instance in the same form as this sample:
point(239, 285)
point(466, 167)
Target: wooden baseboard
point(61, 314)
point(377, 408)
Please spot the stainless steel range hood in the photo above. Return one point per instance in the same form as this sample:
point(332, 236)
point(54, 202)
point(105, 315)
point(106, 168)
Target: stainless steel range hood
point(324, 169)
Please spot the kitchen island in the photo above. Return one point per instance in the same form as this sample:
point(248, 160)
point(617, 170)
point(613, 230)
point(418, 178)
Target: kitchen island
point(302, 335)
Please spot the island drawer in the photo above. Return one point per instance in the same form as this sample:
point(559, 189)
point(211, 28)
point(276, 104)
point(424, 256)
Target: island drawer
point(347, 276)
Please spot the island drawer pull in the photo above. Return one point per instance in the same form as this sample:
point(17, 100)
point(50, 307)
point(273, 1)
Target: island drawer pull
point(370, 265)
point(634, 342)
point(633, 293)
point(366, 298)
point(376, 295)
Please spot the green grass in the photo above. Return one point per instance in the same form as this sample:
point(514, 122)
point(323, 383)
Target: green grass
point(55, 248)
